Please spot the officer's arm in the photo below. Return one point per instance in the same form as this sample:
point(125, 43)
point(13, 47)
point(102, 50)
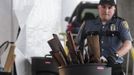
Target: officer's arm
point(126, 38)
point(127, 45)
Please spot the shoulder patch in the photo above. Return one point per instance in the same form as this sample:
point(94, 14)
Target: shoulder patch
point(117, 17)
point(125, 25)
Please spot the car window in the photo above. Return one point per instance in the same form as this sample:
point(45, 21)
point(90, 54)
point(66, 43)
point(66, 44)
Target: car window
point(93, 11)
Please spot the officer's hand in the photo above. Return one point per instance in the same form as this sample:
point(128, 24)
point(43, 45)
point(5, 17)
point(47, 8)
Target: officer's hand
point(113, 58)
point(103, 59)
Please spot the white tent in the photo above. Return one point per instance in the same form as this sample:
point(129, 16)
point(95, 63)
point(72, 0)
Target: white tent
point(38, 20)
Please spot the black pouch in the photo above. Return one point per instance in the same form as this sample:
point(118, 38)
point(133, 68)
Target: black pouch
point(117, 69)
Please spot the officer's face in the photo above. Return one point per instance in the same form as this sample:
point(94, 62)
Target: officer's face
point(106, 11)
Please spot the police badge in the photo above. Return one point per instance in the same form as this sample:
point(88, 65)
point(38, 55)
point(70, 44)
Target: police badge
point(112, 27)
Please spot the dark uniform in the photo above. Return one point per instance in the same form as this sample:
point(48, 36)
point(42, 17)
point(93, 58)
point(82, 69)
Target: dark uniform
point(111, 35)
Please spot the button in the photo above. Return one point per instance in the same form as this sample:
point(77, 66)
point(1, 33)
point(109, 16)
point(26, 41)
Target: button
point(102, 42)
point(112, 34)
point(103, 26)
point(102, 49)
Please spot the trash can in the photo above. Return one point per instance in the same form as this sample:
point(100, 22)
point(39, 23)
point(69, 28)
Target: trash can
point(5, 73)
point(44, 66)
point(85, 69)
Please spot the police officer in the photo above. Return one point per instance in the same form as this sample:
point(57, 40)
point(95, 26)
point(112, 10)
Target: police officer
point(114, 35)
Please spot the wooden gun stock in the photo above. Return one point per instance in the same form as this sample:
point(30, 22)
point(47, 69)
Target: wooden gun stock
point(94, 48)
point(59, 44)
point(58, 56)
point(76, 57)
point(57, 50)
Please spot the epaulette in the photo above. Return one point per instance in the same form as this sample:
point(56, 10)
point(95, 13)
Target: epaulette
point(117, 17)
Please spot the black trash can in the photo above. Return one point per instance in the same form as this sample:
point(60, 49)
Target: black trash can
point(44, 66)
point(85, 69)
point(5, 73)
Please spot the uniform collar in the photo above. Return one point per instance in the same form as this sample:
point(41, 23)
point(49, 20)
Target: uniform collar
point(98, 21)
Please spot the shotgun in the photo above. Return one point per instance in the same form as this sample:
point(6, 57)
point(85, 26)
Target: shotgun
point(75, 54)
point(94, 47)
point(57, 51)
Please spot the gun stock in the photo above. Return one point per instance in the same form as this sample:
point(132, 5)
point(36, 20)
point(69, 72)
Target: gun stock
point(58, 51)
point(94, 48)
point(59, 58)
point(76, 57)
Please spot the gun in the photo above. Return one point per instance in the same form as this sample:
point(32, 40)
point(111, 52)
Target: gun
point(58, 56)
point(75, 55)
point(60, 47)
point(93, 47)
point(58, 51)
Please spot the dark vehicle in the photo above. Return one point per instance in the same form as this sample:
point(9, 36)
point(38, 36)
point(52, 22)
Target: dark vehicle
point(84, 11)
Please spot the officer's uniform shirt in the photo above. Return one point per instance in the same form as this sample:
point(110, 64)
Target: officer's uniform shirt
point(111, 35)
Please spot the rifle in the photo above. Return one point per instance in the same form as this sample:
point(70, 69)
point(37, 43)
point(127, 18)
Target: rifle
point(93, 47)
point(58, 51)
point(75, 54)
